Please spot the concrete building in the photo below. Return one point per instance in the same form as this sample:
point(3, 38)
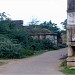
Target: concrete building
point(50, 36)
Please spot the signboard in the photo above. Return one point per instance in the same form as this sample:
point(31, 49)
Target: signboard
point(71, 18)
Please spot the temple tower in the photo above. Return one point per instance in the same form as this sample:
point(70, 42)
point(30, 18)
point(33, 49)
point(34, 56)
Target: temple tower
point(71, 32)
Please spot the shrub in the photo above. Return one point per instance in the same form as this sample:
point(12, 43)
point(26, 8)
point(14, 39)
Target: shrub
point(47, 44)
point(10, 50)
point(55, 47)
point(27, 52)
point(62, 45)
point(37, 45)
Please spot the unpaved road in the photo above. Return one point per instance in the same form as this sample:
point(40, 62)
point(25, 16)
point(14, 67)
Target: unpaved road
point(45, 64)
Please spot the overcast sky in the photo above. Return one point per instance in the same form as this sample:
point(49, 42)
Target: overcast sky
point(43, 10)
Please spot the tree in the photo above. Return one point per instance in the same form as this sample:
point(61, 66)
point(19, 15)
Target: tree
point(5, 26)
point(5, 23)
point(3, 16)
point(64, 23)
point(34, 22)
point(49, 25)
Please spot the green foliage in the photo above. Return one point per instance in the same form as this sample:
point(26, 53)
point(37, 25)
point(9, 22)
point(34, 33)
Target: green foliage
point(27, 52)
point(64, 23)
point(47, 44)
point(66, 69)
point(56, 47)
point(4, 27)
point(16, 42)
point(34, 44)
point(62, 45)
point(8, 49)
point(70, 71)
point(41, 45)
point(49, 25)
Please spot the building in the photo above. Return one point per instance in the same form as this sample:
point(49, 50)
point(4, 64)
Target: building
point(17, 23)
point(41, 36)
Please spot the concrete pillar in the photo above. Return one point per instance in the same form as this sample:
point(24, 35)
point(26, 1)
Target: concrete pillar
point(70, 51)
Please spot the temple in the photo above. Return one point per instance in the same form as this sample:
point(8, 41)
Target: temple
point(71, 32)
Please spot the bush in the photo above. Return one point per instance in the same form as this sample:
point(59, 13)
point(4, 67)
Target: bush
point(62, 45)
point(14, 51)
point(27, 52)
point(47, 44)
point(44, 44)
point(55, 47)
point(10, 50)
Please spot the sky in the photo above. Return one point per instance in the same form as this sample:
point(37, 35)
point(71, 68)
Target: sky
point(43, 10)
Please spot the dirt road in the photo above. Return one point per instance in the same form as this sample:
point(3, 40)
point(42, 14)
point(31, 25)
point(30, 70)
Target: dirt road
point(45, 64)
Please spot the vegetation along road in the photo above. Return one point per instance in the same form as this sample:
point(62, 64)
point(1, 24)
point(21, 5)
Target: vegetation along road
point(45, 64)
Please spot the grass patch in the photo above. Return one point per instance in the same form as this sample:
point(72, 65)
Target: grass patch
point(36, 53)
point(65, 69)
point(39, 52)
